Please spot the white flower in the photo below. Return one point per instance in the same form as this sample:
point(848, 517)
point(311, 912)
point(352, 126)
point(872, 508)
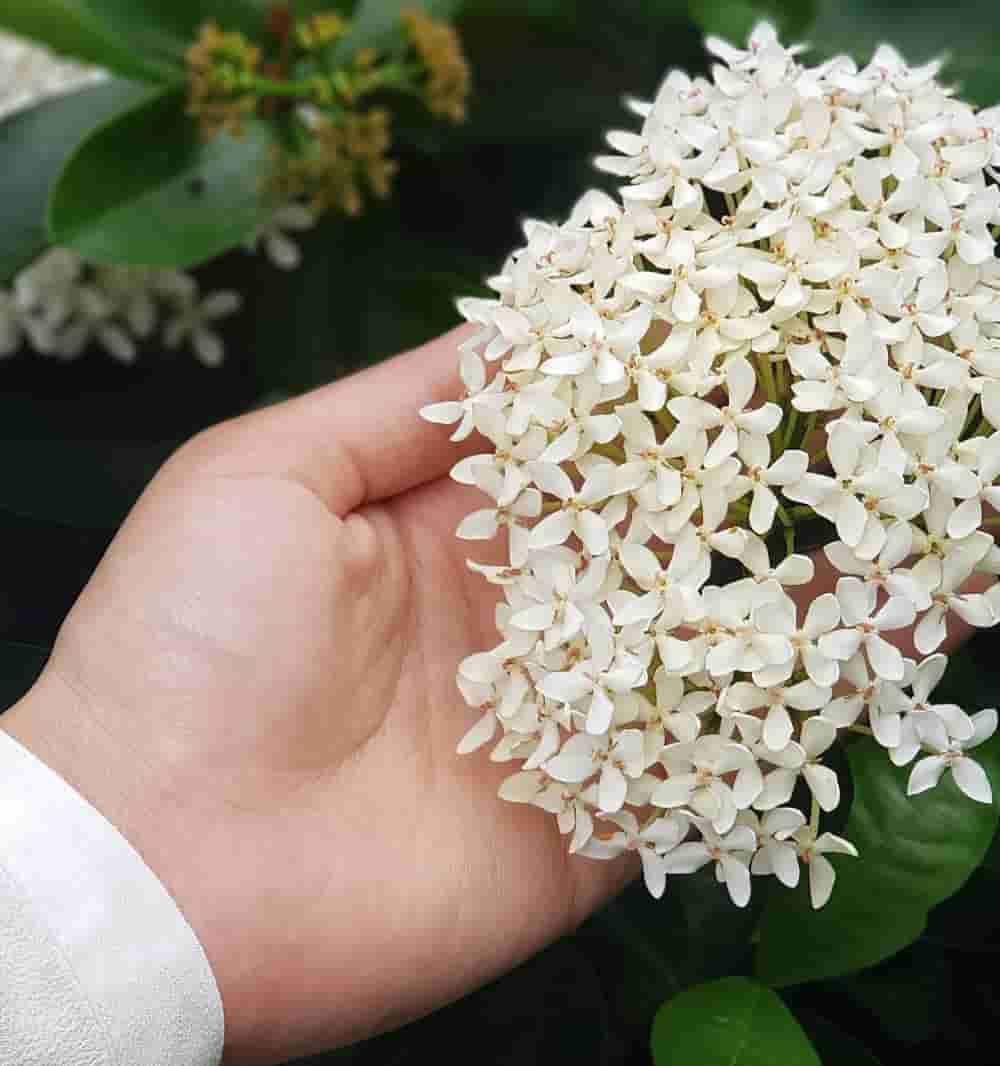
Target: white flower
point(967, 773)
point(776, 853)
point(921, 721)
point(812, 852)
point(281, 250)
point(731, 852)
point(559, 599)
point(653, 842)
point(763, 474)
point(696, 778)
point(779, 617)
point(778, 726)
point(736, 424)
point(578, 511)
point(858, 493)
point(193, 319)
point(595, 681)
point(866, 624)
point(583, 756)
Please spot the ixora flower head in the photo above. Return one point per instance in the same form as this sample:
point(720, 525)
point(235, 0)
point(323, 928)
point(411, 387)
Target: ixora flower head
point(791, 314)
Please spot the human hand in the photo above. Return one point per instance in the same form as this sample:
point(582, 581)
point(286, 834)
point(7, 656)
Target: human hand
point(257, 688)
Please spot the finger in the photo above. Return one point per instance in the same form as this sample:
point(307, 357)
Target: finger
point(358, 440)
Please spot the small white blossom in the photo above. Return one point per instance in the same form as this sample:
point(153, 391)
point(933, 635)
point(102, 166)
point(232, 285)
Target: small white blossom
point(272, 235)
point(965, 771)
point(812, 852)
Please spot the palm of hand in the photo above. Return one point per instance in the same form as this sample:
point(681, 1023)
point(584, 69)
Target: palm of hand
point(282, 682)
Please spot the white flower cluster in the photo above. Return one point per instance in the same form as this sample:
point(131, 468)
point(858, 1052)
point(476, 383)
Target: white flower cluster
point(792, 313)
point(61, 303)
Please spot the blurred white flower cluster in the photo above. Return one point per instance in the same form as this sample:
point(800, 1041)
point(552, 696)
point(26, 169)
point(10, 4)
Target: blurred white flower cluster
point(61, 303)
point(792, 313)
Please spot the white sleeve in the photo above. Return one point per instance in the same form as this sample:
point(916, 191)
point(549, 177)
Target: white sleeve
point(98, 966)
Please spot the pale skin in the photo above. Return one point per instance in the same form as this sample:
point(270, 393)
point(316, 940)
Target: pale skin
point(257, 688)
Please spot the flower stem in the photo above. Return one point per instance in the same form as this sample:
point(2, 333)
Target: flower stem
point(270, 87)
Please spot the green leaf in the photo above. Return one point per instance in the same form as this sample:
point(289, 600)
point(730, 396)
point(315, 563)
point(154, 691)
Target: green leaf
point(34, 145)
point(72, 27)
point(732, 1022)
point(734, 19)
point(20, 665)
point(914, 851)
point(144, 189)
point(167, 27)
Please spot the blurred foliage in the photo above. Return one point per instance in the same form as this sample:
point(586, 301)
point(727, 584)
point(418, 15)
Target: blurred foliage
point(549, 77)
point(34, 145)
point(734, 19)
point(102, 210)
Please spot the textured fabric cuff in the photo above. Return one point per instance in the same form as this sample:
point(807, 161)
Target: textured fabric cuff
point(98, 966)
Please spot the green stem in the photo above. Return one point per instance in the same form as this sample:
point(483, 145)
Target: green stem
point(975, 414)
point(767, 373)
point(270, 87)
point(789, 525)
point(793, 419)
point(809, 427)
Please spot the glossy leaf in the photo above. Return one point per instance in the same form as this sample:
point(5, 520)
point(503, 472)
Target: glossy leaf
point(34, 145)
point(144, 189)
point(74, 28)
point(732, 1022)
point(914, 851)
point(167, 27)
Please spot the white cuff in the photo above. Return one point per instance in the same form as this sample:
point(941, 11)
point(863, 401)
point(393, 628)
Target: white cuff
point(98, 966)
